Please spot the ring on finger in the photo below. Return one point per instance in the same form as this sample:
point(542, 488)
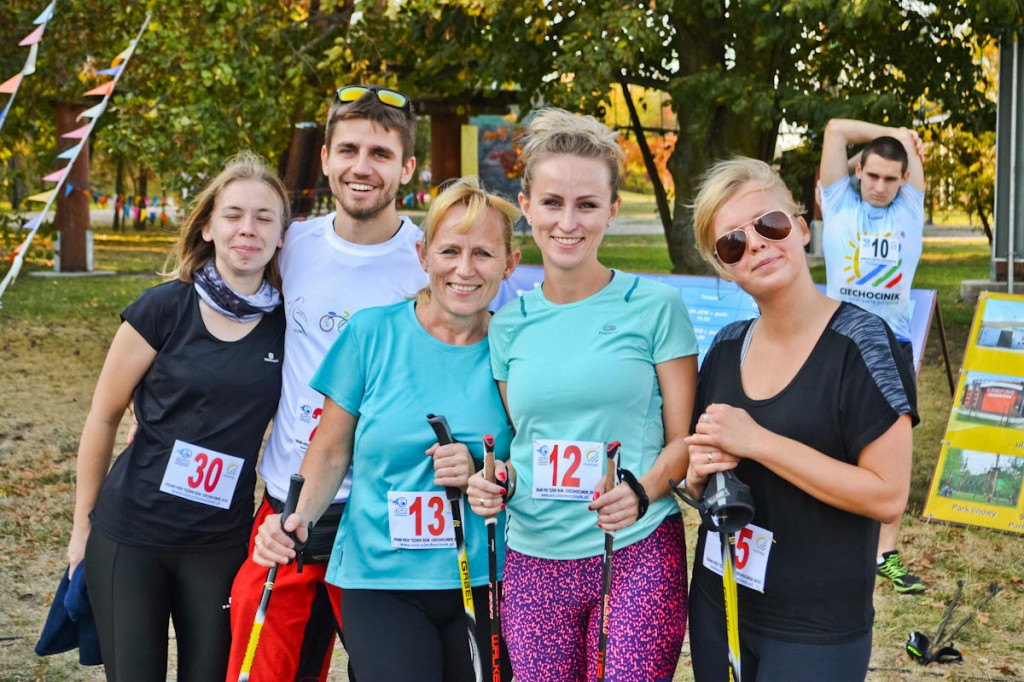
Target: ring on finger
point(711, 459)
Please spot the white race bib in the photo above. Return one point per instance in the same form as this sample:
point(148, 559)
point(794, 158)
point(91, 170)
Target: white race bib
point(753, 544)
point(877, 251)
point(201, 475)
point(567, 469)
point(421, 520)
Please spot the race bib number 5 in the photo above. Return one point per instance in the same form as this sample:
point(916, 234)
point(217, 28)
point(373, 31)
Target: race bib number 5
point(566, 469)
point(201, 475)
point(420, 520)
point(753, 545)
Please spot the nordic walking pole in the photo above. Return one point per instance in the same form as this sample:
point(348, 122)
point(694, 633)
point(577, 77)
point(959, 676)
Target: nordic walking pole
point(444, 437)
point(732, 623)
point(294, 488)
point(606, 569)
point(493, 597)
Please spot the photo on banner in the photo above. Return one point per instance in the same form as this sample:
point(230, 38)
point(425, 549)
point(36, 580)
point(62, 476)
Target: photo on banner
point(979, 476)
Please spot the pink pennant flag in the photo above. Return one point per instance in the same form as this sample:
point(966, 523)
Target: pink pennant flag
point(79, 133)
point(33, 37)
point(11, 84)
point(56, 176)
point(102, 90)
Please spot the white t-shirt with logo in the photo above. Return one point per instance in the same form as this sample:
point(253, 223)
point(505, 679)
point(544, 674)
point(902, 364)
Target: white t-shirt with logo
point(327, 280)
point(871, 253)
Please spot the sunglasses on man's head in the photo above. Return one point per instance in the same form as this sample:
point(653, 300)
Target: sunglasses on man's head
point(391, 98)
point(773, 226)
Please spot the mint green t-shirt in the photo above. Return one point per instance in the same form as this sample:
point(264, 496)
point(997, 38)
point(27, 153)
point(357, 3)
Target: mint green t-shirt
point(585, 372)
point(386, 369)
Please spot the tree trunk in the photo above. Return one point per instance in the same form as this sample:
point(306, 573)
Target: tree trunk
point(141, 189)
point(446, 146)
point(118, 191)
point(726, 135)
point(660, 196)
point(302, 168)
point(72, 218)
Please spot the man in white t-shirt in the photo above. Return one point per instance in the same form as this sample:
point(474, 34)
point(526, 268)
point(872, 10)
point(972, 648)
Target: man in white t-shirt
point(362, 255)
point(872, 241)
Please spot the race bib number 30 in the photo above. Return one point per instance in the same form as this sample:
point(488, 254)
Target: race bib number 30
point(753, 545)
point(201, 475)
point(420, 520)
point(566, 469)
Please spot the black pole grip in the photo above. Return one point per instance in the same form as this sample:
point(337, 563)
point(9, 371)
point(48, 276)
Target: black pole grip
point(292, 501)
point(444, 437)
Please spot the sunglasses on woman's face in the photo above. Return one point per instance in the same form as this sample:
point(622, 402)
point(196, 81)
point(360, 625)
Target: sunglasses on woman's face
point(391, 98)
point(773, 226)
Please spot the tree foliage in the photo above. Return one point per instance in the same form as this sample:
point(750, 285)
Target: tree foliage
point(734, 70)
point(208, 78)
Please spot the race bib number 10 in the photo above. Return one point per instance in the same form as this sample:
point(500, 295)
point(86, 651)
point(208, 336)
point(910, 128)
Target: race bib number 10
point(201, 475)
point(420, 520)
point(566, 469)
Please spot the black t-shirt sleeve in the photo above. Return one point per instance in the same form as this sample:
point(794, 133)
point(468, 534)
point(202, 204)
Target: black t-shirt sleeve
point(877, 389)
point(154, 313)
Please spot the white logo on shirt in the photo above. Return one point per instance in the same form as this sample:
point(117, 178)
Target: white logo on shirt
point(271, 358)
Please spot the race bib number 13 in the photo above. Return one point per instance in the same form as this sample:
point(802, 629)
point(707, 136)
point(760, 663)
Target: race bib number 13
point(566, 469)
point(420, 520)
point(201, 475)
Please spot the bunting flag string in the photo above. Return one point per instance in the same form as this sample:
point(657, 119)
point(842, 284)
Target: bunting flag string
point(11, 85)
point(61, 175)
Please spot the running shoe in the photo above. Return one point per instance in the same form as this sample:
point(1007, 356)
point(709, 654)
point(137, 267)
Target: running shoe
point(893, 570)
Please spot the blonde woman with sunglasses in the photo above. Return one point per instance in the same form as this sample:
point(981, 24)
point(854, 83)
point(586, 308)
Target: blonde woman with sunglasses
point(812, 405)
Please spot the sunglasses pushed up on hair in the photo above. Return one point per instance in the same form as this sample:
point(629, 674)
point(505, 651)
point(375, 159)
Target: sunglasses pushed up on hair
point(391, 98)
point(773, 226)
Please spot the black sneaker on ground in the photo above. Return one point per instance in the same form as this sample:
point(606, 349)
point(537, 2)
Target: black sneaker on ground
point(895, 572)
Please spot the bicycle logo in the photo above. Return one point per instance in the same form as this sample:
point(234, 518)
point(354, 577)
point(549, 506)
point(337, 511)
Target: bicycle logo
point(327, 322)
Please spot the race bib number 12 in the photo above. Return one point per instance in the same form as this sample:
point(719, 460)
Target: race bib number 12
point(566, 469)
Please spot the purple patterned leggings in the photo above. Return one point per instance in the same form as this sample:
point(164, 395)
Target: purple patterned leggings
point(551, 615)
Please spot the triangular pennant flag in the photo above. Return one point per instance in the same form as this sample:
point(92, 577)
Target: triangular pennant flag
point(125, 53)
point(94, 112)
point(112, 71)
point(33, 37)
point(56, 176)
point(46, 14)
point(69, 153)
point(78, 133)
point(68, 189)
point(30, 63)
point(102, 90)
point(33, 223)
point(42, 197)
point(11, 84)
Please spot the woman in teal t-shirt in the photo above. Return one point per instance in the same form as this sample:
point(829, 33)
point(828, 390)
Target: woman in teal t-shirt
point(394, 556)
point(591, 356)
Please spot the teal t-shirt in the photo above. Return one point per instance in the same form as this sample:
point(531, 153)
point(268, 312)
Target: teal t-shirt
point(386, 369)
point(584, 372)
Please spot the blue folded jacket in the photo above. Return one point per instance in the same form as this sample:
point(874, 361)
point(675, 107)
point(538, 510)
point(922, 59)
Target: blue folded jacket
point(70, 624)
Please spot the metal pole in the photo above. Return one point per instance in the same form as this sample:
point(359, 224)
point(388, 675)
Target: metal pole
point(1014, 153)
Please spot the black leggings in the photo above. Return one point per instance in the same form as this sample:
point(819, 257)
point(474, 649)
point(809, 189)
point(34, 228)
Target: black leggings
point(134, 591)
point(415, 635)
point(765, 660)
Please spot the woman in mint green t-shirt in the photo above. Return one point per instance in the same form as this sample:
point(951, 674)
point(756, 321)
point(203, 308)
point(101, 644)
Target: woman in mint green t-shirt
point(394, 556)
point(591, 356)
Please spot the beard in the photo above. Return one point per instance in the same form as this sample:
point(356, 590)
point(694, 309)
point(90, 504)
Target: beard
point(363, 212)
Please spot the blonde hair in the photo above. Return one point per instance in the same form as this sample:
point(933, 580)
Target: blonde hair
point(556, 132)
point(720, 184)
point(477, 200)
point(192, 251)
